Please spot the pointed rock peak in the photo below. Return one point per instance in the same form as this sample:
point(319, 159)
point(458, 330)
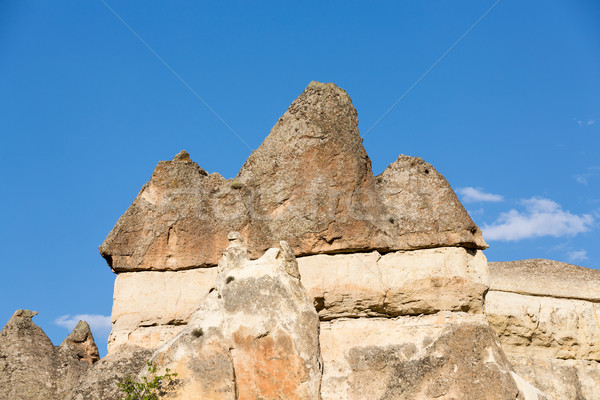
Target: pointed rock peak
point(20, 332)
point(182, 156)
point(24, 314)
point(310, 182)
point(80, 344)
point(80, 333)
point(324, 108)
point(423, 207)
point(320, 126)
point(321, 93)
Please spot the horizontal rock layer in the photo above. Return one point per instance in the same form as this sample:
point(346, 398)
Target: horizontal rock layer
point(546, 314)
point(545, 278)
point(545, 326)
point(396, 283)
point(151, 307)
point(310, 183)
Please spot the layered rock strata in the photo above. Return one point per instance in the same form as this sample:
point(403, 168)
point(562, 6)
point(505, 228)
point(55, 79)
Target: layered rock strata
point(392, 265)
point(255, 335)
point(310, 182)
point(32, 368)
point(546, 314)
point(152, 307)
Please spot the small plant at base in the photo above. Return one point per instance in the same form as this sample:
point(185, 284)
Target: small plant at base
point(146, 389)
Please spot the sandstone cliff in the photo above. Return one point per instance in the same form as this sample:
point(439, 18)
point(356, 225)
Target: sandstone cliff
point(546, 314)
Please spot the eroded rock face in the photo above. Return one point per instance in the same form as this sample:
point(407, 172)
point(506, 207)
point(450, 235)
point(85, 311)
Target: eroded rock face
point(310, 182)
point(560, 379)
point(546, 315)
point(442, 356)
point(81, 343)
point(545, 326)
point(255, 335)
point(151, 307)
point(396, 283)
point(100, 381)
point(32, 368)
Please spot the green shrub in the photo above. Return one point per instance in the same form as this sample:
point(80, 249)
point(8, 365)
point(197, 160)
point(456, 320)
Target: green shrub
point(146, 389)
point(236, 184)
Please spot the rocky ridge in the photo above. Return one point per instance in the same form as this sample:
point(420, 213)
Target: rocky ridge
point(32, 368)
point(309, 182)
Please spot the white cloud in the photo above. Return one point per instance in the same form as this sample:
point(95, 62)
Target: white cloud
point(584, 178)
point(472, 195)
point(582, 123)
point(542, 217)
point(577, 255)
point(99, 324)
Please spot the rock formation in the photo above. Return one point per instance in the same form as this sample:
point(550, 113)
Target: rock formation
point(383, 291)
point(255, 335)
point(310, 182)
point(546, 314)
point(32, 368)
point(100, 381)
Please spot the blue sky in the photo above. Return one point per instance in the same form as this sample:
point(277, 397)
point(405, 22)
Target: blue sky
point(510, 116)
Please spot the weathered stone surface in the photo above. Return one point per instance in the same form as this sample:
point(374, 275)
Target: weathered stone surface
point(560, 379)
point(81, 343)
point(546, 315)
point(545, 326)
point(545, 278)
point(397, 283)
point(32, 368)
point(255, 336)
point(151, 307)
point(444, 356)
point(423, 209)
point(100, 381)
point(310, 182)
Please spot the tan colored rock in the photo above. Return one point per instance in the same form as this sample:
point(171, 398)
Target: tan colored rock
point(448, 355)
point(81, 343)
point(151, 307)
point(100, 381)
point(310, 182)
point(255, 336)
point(544, 326)
point(560, 379)
point(545, 278)
point(397, 283)
point(423, 209)
point(32, 368)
